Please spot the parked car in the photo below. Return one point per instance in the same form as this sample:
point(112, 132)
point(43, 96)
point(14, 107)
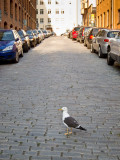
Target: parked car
point(10, 45)
point(114, 50)
point(32, 38)
point(100, 41)
point(38, 36)
point(89, 35)
point(74, 33)
point(81, 32)
point(25, 40)
point(41, 33)
point(45, 33)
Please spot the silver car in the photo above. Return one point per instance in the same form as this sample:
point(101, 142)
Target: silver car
point(101, 40)
point(114, 50)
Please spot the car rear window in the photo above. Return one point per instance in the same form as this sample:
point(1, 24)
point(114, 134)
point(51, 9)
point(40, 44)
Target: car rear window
point(29, 32)
point(21, 34)
point(76, 29)
point(112, 34)
point(95, 31)
point(6, 36)
point(86, 29)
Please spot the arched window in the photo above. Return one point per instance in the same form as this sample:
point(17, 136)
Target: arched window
point(15, 11)
point(5, 25)
point(11, 8)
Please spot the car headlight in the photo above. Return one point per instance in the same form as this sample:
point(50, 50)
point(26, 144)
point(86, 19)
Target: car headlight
point(8, 48)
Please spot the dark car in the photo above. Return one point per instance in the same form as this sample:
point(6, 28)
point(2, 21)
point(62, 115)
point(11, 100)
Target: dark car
point(74, 33)
point(25, 40)
point(10, 45)
point(81, 32)
point(101, 40)
point(38, 36)
point(89, 35)
point(32, 38)
point(114, 50)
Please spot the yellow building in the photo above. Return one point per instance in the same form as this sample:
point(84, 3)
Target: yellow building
point(108, 14)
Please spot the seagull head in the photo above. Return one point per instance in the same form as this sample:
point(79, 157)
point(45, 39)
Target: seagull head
point(63, 109)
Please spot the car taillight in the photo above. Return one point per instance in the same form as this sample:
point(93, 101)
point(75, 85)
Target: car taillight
point(91, 36)
point(83, 32)
point(106, 40)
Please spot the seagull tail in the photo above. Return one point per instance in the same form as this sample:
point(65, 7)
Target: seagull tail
point(81, 128)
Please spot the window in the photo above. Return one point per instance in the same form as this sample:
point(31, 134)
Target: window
point(98, 21)
point(118, 16)
point(104, 19)
point(41, 20)
point(49, 11)
point(5, 6)
point(107, 18)
point(49, 1)
point(36, 11)
point(49, 20)
point(56, 2)
point(41, 2)
point(101, 20)
point(57, 11)
point(41, 11)
point(62, 11)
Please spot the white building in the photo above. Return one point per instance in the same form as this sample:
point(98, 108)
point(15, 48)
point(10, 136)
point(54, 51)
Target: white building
point(57, 15)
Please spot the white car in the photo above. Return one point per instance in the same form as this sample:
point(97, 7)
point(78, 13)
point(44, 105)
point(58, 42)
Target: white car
point(114, 50)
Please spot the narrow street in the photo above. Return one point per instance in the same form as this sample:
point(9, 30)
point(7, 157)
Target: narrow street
point(59, 72)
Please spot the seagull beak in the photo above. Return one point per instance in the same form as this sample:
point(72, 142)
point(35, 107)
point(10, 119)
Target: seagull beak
point(60, 109)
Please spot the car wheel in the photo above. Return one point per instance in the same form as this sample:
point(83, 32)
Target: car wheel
point(21, 55)
point(88, 46)
point(100, 54)
point(110, 61)
point(85, 43)
point(92, 49)
point(16, 60)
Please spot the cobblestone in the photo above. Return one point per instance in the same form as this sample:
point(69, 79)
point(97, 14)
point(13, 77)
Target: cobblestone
point(59, 72)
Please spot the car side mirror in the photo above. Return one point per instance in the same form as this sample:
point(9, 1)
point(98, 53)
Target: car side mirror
point(17, 39)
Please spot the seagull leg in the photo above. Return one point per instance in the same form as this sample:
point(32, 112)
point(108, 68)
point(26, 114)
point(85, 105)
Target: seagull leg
point(71, 131)
point(67, 132)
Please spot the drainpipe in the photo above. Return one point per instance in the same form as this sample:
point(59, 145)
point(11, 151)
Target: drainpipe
point(112, 7)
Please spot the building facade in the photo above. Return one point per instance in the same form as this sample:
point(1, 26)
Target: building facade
point(18, 14)
point(88, 12)
point(108, 14)
point(57, 15)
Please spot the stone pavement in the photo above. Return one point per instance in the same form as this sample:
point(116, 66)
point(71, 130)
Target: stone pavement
point(59, 72)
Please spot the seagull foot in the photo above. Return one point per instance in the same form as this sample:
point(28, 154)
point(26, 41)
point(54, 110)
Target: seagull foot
point(66, 134)
point(70, 132)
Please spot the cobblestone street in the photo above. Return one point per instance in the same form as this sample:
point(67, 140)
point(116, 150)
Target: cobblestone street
point(59, 72)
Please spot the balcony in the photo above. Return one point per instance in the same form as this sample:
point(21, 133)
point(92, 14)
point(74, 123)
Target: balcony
point(82, 11)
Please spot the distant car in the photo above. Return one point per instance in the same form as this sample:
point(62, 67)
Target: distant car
point(41, 33)
point(45, 33)
point(25, 40)
point(89, 35)
point(38, 37)
point(32, 38)
point(81, 32)
point(100, 41)
point(10, 45)
point(114, 50)
point(75, 32)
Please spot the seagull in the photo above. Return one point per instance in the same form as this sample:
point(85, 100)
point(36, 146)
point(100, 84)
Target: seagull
point(69, 121)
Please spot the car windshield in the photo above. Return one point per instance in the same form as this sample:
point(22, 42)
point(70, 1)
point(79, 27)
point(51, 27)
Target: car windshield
point(44, 31)
point(6, 36)
point(29, 33)
point(112, 34)
point(34, 31)
point(21, 34)
point(76, 29)
point(95, 31)
point(39, 31)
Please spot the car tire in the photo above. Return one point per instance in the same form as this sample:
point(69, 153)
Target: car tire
point(85, 43)
point(92, 49)
point(22, 54)
point(16, 60)
point(88, 46)
point(100, 54)
point(110, 61)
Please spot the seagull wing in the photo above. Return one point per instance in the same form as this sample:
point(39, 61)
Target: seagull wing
point(71, 122)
